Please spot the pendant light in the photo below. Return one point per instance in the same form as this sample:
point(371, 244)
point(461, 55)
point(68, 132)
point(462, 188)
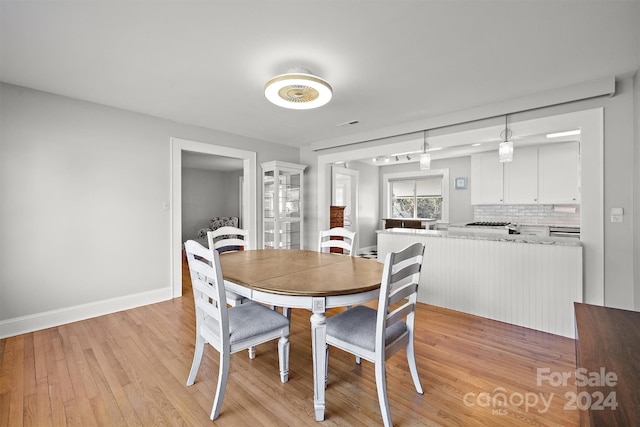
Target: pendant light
point(505, 151)
point(425, 158)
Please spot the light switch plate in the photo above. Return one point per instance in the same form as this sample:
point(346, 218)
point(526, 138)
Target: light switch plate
point(617, 214)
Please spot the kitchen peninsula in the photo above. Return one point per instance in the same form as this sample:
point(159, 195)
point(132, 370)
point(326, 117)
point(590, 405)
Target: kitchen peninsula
point(529, 281)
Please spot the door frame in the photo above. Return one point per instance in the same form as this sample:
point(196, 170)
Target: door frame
point(249, 198)
point(354, 193)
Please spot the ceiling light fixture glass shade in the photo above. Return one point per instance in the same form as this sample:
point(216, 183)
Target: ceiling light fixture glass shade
point(425, 158)
point(298, 89)
point(505, 150)
point(425, 161)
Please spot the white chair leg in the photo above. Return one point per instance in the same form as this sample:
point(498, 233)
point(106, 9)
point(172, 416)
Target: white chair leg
point(223, 375)
point(326, 367)
point(286, 311)
point(358, 360)
point(234, 302)
point(411, 358)
point(283, 357)
point(197, 358)
point(381, 385)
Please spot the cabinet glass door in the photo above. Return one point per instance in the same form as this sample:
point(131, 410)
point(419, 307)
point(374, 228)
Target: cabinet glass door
point(282, 205)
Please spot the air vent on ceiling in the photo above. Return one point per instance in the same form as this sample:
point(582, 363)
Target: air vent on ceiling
point(352, 122)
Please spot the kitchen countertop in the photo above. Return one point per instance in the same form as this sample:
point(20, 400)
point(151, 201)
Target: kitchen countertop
point(515, 238)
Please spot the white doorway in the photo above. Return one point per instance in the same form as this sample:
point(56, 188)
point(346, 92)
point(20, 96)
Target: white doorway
point(249, 198)
point(344, 192)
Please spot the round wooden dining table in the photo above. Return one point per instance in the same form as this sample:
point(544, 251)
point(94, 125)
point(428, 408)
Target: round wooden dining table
point(310, 280)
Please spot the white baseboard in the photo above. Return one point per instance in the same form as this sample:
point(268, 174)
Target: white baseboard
point(49, 319)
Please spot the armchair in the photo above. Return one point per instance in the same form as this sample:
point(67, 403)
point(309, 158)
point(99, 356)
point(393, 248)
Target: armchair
point(215, 223)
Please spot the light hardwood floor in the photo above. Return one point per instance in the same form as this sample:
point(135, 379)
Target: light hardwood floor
point(130, 368)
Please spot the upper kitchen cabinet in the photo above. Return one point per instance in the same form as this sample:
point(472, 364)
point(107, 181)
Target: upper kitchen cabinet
point(486, 179)
point(547, 174)
point(559, 173)
point(282, 205)
point(521, 177)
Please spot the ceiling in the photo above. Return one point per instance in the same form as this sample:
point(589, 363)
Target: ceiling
point(389, 62)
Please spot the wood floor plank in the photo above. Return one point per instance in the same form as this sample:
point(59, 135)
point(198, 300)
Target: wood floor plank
point(30, 411)
point(130, 368)
point(58, 414)
point(15, 372)
point(5, 408)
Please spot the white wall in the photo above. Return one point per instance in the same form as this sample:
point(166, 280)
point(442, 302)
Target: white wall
point(309, 158)
point(82, 225)
point(636, 180)
point(207, 194)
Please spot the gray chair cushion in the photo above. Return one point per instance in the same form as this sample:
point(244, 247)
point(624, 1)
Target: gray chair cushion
point(357, 326)
point(251, 319)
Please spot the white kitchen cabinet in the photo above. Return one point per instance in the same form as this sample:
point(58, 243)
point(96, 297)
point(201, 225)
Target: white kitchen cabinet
point(282, 205)
point(486, 179)
point(559, 174)
point(521, 177)
point(547, 174)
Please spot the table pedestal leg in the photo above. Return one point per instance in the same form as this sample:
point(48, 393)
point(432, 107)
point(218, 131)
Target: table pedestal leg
point(318, 344)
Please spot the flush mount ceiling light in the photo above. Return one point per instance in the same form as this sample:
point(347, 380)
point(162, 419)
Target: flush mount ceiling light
point(298, 89)
point(505, 151)
point(425, 158)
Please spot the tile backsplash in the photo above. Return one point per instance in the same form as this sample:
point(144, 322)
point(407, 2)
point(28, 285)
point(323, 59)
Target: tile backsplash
point(565, 215)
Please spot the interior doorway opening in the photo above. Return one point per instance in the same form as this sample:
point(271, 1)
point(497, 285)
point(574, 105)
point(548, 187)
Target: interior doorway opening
point(249, 197)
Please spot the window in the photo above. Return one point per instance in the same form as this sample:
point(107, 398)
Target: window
point(417, 195)
point(417, 198)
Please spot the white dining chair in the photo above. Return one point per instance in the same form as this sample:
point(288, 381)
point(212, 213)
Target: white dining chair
point(346, 241)
point(325, 244)
point(376, 335)
point(229, 239)
point(228, 330)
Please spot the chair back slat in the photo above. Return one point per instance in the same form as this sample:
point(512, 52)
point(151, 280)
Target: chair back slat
point(409, 270)
point(400, 279)
point(403, 292)
point(200, 269)
point(207, 309)
point(208, 294)
point(208, 287)
point(346, 241)
point(416, 249)
point(335, 244)
point(400, 313)
point(229, 242)
point(228, 238)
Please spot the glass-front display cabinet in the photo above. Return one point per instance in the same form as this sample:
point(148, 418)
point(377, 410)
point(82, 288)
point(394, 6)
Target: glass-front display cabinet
point(282, 222)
